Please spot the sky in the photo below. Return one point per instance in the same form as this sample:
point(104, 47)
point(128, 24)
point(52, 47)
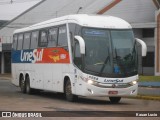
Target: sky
point(9, 10)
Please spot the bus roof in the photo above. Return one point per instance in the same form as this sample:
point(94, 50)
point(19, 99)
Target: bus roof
point(98, 21)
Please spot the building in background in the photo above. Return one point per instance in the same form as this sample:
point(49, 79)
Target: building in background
point(8, 11)
point(143, 15)
point(2, 22)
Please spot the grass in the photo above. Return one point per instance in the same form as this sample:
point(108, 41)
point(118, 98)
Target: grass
point(149, 78)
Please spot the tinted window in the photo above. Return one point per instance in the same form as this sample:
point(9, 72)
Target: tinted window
point(20, 41)
point(148, 33)
point(148, 61)
point(62, 36)
point(43, 38)
point(52, 37)
point(72, 27)
point(26, 42)
point(15, 42)
point(34, 39)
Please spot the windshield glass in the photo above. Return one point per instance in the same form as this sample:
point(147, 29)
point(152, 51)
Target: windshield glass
point(124, 52)
point(109, 53)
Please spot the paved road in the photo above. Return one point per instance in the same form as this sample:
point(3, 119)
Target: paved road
point(11, 99)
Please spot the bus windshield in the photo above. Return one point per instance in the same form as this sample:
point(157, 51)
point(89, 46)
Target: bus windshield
point(110, 53)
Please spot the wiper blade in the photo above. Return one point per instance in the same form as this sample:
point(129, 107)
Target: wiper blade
point(91, 70)
point(106, 61)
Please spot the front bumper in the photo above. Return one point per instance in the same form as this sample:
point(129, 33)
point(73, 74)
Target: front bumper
point(91, 90)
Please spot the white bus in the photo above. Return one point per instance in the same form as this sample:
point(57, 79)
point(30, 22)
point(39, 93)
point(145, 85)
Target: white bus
point(78, 55)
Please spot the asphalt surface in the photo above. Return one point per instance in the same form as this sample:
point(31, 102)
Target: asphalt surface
point(11, 99)
point(145, 88)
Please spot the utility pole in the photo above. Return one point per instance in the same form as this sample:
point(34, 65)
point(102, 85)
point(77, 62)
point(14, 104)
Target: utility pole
point(11, 1)
point(56, 14)
point(79, 9)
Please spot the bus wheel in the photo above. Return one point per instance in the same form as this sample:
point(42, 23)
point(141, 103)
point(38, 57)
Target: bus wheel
point(68, 92)
point(28, 88)
point(115, 99)
point(22, 84)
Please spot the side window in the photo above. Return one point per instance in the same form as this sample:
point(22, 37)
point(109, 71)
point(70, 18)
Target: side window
point(62, 36)
point(26, 42)
point(43, 38)
point(20, 42)
point(52, 37)
point(77, 50)
point(15, 42)
point(34, 39)
point(72, 27)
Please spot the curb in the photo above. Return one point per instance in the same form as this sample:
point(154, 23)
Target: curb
point(149, 86)
point(148, 97)
point(5, 78)
point(145, 97)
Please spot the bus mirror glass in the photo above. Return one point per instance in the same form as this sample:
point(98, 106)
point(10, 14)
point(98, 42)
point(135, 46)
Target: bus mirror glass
point(81, 44)
point(144, 46)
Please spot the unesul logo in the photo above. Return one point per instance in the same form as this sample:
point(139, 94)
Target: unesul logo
point(32, 56)
point(114, 81)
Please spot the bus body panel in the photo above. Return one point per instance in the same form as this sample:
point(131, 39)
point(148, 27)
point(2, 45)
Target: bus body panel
point(85, 89)
point(83, 20)
point(48, 67)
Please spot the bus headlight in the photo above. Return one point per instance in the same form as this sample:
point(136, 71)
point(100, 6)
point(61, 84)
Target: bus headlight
point(134, 82)
point(90, 82)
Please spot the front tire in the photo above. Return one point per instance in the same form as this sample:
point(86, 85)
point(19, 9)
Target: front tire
point(114, 100)
point(68, 92)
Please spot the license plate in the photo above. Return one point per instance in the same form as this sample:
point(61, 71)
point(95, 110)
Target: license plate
point(113, 92)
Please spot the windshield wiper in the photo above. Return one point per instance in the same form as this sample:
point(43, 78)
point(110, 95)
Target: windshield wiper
point(118, 61)
point(91, 71)
point(105, 62)
point(133, 51)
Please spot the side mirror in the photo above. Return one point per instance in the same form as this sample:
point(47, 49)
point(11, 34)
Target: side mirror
point(144, 46)
point(81, 44)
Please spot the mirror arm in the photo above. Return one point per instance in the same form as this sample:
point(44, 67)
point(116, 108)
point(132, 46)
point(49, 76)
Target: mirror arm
point(81, 43)
point(144, 46)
